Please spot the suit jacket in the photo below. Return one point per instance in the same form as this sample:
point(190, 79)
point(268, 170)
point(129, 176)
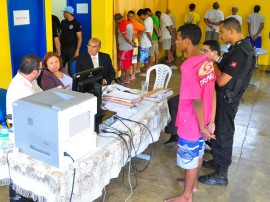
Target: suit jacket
point(84, 62)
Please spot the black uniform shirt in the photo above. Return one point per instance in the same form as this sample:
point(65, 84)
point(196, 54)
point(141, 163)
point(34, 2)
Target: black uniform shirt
point(69, 33)
point(234, 63)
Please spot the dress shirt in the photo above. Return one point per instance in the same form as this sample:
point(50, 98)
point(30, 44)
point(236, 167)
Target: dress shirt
point(95, 60)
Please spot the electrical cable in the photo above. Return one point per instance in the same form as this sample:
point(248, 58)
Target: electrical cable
point(153, 148)
point(129, 181)
point(74, 172)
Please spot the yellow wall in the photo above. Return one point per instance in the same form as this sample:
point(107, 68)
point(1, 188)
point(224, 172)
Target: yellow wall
point(48, 16)
point(179, 8)
point(103, 25)
point(5, 63)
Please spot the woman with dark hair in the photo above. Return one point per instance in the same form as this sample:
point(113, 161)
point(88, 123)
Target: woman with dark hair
point(54, 74)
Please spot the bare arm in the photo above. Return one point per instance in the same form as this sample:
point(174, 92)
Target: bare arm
point(259, 31)
point(149, 37)
point(169, 28)
point(156, 30)
point(79, 43)
point(249, 33)
point(128, 40)
point(209, 24)
point(198, 109)
point(57, 45)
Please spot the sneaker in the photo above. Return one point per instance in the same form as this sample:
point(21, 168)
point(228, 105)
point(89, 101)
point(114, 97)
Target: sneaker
point(172, 141)
point(215, 178)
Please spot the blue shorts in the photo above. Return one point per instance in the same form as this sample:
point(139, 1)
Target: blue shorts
point(189, 153)
point(144, 54)
point(257, 43)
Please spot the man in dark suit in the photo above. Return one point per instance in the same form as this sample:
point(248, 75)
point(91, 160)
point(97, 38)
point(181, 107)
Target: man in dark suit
point(93, 58)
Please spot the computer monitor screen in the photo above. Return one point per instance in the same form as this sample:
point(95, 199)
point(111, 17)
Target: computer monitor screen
point(84, 81)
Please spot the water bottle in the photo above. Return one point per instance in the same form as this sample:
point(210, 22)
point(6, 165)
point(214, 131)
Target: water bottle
point(4, 138)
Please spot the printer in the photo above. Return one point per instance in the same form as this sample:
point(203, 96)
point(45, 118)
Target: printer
point(53, 122)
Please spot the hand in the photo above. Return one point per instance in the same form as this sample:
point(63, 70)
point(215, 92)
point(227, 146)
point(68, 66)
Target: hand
point(211, 128)
point(254, 37)
point(213, 29)
point(104, 82)
point(206, 135)
point(76, 54)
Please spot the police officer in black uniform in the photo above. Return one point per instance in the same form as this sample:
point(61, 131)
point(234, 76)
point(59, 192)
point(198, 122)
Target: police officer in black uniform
point(234, 71)
point(70, 37)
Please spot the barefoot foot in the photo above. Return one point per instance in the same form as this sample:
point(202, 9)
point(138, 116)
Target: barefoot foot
point(181, 183)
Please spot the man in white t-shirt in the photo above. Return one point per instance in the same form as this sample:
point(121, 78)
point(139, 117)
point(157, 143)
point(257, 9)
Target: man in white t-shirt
point(24, 83)
point(213, 19)
point(234, 15)
point(166, 34)
point(146, 40)
point(255, 26)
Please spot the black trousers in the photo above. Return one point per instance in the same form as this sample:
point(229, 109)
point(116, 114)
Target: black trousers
point(223, 144)
point(67, 57)
point(173, 108)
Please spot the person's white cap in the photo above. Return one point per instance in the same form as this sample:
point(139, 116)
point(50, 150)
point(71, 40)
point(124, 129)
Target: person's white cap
point(68, 9)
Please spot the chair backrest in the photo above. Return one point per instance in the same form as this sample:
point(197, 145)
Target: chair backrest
point(163, 76)
point(3, 93)
point(73, 68)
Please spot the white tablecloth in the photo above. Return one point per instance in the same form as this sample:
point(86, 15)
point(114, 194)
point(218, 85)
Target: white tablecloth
point(94, 171)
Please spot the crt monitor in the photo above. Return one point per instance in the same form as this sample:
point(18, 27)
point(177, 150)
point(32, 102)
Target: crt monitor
point(90, 81)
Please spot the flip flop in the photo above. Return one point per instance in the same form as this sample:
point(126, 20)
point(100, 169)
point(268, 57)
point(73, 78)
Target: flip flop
point(142, 74)
point(124, 82)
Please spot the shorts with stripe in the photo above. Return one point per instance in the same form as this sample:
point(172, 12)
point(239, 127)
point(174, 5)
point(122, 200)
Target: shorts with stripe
point(189, 153)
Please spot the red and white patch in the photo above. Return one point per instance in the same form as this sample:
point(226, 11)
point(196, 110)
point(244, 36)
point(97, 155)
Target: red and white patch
point(233, 64)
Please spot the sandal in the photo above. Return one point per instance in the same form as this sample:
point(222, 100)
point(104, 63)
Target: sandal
point(142, 74)
point(124, 82)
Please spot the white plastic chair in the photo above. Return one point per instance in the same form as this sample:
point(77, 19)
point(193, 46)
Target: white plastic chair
point(163, 76)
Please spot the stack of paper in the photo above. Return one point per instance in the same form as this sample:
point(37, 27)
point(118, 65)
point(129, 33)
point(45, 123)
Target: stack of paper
point(122, 97)
point(158, 95)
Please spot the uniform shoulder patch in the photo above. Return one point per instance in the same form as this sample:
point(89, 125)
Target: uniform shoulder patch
point(233, 64)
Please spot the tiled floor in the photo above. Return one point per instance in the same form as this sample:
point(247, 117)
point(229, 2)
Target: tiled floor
point(249, 174)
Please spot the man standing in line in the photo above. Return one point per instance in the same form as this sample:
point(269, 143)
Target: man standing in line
point(173, 46)
point(234, 15)
point(234, 71)
point(138, 29)
point(213, 19)
point(126, 45)
point(255, 26)
point(70, 37)
point(93, 59)
point(145, 39)
point(166, 34)
point(153, 52)
point(192, 17)
point(195, 109)
point(210, 47)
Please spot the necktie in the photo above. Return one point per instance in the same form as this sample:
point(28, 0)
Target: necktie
point(95, 62)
